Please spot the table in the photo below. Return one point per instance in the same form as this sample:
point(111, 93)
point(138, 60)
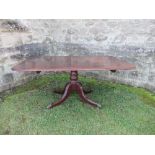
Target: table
point(73, 64)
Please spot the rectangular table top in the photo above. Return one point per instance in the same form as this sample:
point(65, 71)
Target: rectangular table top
point(68, 63)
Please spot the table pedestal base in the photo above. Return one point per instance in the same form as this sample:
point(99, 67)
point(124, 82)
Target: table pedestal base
point(73, 85)
point(61, 91)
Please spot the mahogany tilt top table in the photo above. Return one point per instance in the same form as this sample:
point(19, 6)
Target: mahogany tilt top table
point(73, 64)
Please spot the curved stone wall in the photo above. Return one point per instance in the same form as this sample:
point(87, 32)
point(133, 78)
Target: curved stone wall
point(131, 40)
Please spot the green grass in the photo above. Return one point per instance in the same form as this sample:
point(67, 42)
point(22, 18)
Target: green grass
point(125, 109)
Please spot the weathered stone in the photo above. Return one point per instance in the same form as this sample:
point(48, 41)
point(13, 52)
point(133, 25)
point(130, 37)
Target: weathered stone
point(47, 40)
point(3, 59)
point(151, 39)
point(152, 21)
point(130, 40)
point(151, 78)
point(30, 37)
point(1, 68)
point(119, 39)
point(134, 73)
point(7, 78)
point(90, 22)
point(71, 31)
point(93, 30)
point(17, 56)
point(152, 31)
point(12, 25)
point(33, 50)
point(0, 42)
point(100, 37)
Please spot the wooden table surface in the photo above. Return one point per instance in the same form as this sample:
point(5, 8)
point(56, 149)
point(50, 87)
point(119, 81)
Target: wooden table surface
point(72, 63)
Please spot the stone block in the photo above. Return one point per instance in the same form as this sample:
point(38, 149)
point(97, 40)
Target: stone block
point(90, 22)
point(9, 25)
point(72, 31)
point(152, 31)
point(17, 56)
point(1, 68)
point(100, 37)
point(33, 50)
point(119, 39)
point(8, 78)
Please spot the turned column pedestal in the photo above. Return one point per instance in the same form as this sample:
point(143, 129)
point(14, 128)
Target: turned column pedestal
point(74, 85)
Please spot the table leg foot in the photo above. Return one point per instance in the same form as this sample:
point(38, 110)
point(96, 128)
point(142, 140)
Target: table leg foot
point(64, 97)
point(80, 91)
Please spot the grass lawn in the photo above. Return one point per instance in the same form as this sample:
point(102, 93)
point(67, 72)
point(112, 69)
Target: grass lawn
point(125, 109)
